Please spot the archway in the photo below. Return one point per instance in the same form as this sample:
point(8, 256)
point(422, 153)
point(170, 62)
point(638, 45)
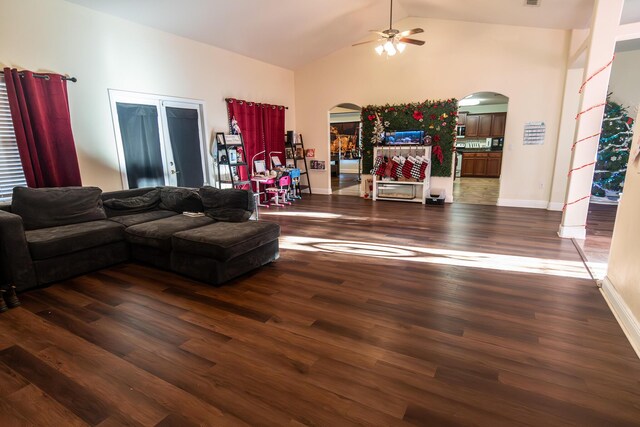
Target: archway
point(344, 149)
point(482, 117)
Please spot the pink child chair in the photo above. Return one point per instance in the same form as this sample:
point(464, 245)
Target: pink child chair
point(279, 192)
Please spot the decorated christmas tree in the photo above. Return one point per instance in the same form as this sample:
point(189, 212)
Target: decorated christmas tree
point(613, 152)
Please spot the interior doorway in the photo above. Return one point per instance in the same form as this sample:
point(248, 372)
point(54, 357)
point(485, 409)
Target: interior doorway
point(345, 149)
point(612, 159)
point(482, 117)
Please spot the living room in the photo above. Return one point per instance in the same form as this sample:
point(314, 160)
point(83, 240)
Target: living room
point(377, 312)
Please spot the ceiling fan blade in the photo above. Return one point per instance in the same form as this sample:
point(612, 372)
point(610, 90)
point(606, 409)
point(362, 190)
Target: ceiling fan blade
point(368, 41)
point(410, 32)
point(411, 41)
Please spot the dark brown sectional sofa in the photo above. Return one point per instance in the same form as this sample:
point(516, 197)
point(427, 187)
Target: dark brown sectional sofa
point(52, 234)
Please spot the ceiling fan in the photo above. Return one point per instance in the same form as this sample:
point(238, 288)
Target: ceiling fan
point(393, 41)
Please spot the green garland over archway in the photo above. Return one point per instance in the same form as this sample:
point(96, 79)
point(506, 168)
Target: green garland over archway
point(437, 119)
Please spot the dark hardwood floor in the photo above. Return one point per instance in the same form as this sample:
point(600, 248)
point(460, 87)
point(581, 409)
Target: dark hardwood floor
point(380, 313)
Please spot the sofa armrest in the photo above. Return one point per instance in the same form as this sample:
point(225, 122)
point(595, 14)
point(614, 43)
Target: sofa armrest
point(15, 260)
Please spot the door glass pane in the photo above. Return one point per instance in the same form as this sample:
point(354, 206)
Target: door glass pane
point(184, 135)
point(141, 144)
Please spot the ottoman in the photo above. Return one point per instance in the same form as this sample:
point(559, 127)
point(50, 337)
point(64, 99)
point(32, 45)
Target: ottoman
point(219, 252)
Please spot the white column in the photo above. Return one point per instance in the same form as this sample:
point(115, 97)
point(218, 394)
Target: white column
point(602, 43)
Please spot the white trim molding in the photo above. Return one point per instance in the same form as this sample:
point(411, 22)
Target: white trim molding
point(630, 325)
point(555, 206)
point(572, 232)
point(520, 203)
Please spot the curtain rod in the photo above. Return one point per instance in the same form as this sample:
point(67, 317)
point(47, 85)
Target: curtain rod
point(233, 99)
point(46, 77)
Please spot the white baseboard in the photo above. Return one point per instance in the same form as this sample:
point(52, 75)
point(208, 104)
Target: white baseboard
point(520, 203)
point(324, 191)
point(555, 206)
point(574, 232)
point(630, 325)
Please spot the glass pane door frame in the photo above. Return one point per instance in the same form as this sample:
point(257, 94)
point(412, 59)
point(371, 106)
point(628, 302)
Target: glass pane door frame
point(160, 102)
point(191, 105)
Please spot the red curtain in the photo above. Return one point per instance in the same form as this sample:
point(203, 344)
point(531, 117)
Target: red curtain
point(40, 115)
point(261, 126)
point(273, 118)
point(249, 118)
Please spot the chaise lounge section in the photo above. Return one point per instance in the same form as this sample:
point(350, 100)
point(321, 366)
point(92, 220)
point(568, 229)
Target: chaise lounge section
point(52, 234)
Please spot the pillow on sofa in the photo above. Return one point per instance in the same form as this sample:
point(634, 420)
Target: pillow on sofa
point(230, 204)
point(142, 203)
point(180, 199)
point(51, 207)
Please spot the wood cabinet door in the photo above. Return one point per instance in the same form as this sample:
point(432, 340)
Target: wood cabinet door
point(484, 125)
point(480, 167)
point(497, 124)
point(494, 164)
point(462, 118)
point(467, 165)
point(472, 121)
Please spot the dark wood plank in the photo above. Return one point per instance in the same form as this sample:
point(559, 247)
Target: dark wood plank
point(77, 399)
point(447, 328)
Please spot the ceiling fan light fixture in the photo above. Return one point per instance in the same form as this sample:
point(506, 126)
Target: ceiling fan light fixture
point(401, 46)
point(389, 48)
point(379, 49)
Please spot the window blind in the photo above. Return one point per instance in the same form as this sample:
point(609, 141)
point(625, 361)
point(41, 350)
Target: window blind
point(11, 174)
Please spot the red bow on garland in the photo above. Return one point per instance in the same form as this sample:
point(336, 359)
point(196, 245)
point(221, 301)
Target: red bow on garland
point(436, 150)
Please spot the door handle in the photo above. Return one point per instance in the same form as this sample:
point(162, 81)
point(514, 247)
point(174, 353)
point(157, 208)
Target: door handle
point(173, 172)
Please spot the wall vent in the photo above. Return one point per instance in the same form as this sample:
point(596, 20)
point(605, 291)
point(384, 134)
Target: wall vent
point(532, 2)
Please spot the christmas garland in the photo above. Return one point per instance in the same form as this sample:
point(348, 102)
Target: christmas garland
point(437, 119)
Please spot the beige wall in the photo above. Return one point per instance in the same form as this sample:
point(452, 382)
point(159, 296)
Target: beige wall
point(624, 268)
point(624, 80)
point(106, 52)
point(527, 65)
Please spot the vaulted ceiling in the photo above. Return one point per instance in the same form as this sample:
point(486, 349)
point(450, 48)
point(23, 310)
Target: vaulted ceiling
point(291, 33)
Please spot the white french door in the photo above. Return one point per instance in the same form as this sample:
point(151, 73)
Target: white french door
point(160, 140)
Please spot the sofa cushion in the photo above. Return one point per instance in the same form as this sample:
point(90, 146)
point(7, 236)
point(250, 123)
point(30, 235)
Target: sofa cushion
point(158, 233)
point(180, 199)
point(225, 240)
point(229, 204)
point(129, 205)
point(65, 239)
point(139, 218)
point(51, 207)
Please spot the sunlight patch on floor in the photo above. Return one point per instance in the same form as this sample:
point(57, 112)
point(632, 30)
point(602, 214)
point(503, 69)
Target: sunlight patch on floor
point(521, 264)
point(320, 215)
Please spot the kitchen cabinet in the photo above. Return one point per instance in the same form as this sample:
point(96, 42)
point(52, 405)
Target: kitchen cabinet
point(462, 118)
point(497, 124)
point(494, 165)
point(472, 121)
point(468, 164)
point(481, 165)
point(484, 125)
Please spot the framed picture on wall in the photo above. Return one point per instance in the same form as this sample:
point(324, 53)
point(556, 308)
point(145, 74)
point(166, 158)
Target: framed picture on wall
point(299, 153)
point(288, 153)
point(311, 152)
point(318, 165)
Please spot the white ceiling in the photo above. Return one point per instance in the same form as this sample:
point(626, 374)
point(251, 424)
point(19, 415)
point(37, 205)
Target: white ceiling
point(291, 33)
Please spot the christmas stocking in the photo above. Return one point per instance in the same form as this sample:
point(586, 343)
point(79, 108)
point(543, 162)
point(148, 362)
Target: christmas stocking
point(376, 165)
point(415, 169)
point(406, 168)
point(423, 169)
